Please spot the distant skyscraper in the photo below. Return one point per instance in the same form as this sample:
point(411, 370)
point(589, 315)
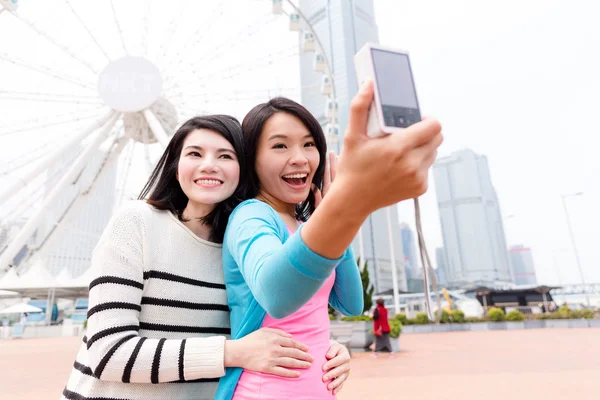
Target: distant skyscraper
point(409, 247)
point(343, 27)
point(472, 229)
point(522, 264)
point(440, 271)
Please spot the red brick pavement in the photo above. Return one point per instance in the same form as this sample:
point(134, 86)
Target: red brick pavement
point(548, 364)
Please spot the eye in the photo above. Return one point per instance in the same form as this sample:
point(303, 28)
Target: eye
point(310, 144)
point(226, 156)
point(194, 154)
point(279, 146)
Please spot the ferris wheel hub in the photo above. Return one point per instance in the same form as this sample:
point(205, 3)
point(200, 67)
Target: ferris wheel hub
point(130, 84)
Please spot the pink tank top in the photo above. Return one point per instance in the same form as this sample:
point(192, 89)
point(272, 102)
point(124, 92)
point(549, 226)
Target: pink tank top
point(309, 325)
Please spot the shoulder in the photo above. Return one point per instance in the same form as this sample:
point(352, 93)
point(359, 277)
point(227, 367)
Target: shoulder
point(253, 208)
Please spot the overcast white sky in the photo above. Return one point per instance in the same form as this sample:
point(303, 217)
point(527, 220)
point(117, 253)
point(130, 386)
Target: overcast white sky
point(519, 82)
point(515, 80)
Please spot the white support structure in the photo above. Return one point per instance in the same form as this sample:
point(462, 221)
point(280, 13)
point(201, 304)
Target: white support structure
point(78, 203)
point(51, 159)
point(393, 261)
point(156, 128)
point(37, 218)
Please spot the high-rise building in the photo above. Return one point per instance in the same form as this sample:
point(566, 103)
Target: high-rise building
point(472, 229)
point(343, 27)
point(409, 247)
point(440, 271)
point(522, 265)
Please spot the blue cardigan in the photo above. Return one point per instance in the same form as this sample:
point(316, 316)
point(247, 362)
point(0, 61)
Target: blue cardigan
point(267, 270)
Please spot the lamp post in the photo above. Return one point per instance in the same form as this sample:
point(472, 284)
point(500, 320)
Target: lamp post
point(573, 243)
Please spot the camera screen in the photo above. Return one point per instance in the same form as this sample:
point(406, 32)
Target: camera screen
point(396, 88)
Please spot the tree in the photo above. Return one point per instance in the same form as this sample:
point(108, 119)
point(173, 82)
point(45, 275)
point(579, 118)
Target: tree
point(368, 289)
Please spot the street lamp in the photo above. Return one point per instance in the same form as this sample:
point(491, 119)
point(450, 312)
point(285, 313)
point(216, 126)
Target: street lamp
point(564, 202)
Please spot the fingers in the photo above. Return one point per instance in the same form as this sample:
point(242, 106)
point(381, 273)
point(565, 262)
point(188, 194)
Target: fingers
point(359, 112)
point(286, 373)
point(419, 134)
point(332, 166)
point(327, 174)
point(291, 343)
point(337, 384)
point(287, 362)
point(296, 354)
point(318, 195)
point(277, 332)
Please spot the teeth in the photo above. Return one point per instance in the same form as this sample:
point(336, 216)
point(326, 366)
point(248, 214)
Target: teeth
point(208, 182)
point(296, 176)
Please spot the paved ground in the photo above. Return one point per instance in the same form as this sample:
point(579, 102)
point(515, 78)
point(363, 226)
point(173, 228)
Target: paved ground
point(545, 364)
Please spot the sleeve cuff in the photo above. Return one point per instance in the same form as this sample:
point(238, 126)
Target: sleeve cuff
point(204, 358)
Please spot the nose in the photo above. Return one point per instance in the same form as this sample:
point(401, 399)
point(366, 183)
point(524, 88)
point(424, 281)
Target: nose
point(298, 157)
point(208, 164)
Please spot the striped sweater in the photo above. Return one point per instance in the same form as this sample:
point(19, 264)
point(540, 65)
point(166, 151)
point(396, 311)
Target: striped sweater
point(158, 315)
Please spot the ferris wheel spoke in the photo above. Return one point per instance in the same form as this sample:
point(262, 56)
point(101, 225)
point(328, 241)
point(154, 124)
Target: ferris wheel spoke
point(60, 46)
point(46, 71)
point(114, 13)
point(167, 40)
point(45, 125)
point(88, 31)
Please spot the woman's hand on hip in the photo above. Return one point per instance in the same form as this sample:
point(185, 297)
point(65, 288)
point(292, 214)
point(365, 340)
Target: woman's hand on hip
point(337, 369)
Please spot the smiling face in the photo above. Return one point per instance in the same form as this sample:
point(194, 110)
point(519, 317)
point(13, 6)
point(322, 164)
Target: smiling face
point(286, 160)
point(208, 170)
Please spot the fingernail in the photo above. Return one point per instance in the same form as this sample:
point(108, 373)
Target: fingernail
point(364, 86)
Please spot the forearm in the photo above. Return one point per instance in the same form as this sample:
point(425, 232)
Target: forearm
point(334, 224)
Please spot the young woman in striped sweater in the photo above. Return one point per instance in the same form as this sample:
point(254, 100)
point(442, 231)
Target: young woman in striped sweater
point(158, 322)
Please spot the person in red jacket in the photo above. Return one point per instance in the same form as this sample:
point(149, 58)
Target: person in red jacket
point(381, 329)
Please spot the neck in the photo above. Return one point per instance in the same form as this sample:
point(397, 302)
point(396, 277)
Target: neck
point(192, 213)
point(284, 209)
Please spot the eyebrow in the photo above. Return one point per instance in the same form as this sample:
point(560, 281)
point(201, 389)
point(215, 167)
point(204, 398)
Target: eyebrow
point(218, 150)
point(282, 136)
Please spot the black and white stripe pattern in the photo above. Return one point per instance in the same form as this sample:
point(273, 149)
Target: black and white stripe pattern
point(158, 313)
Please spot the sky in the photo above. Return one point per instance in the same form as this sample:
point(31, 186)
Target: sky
point(515, 81)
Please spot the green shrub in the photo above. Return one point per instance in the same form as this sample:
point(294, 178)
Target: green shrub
point(401, 317)
point(332, 317)
point(395, 328)
point(421, 319)
point(515, 315)
point(457, 316)
point(358, 318)
point(85, 323)
point(578, 314)
point(474, 320)
point(496, 314)
point(445, 318)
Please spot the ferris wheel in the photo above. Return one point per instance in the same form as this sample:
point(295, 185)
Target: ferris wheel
point(92, 87)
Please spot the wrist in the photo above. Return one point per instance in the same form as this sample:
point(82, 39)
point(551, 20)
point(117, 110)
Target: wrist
point(232, 354)
point(341, 200)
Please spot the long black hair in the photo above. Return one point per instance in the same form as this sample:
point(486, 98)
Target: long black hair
point(252, 128)
point(163, 190)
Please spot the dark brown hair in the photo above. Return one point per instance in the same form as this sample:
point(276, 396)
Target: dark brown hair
point(163, 190)
point(252, 128)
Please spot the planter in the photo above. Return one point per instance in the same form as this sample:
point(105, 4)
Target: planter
point(441, 328)
point(594, 323)
point(361, 338)
point(422, 328)
point(408, 329)
point(557, 323)
point(479, 327)
point(395, 344)
point(497, 326)
point(460, 327)
point(578, 323)
point(534, 324)
point(510, 325)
